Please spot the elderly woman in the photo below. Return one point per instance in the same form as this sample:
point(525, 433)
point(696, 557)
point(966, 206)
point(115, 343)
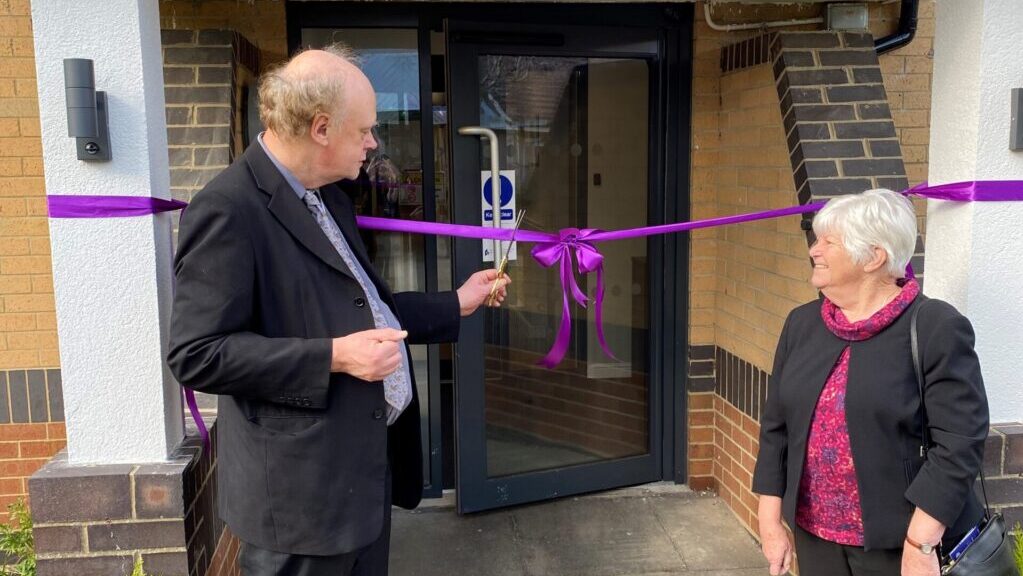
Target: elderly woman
point(840, 441)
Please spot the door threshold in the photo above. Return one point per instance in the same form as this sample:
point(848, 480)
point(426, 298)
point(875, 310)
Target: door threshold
point(661, 487)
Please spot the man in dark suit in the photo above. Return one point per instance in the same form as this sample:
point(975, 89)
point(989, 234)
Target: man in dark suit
point(279, 311)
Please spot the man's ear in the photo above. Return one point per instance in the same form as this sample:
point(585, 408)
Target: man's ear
point(318, 128)
point(877, 260)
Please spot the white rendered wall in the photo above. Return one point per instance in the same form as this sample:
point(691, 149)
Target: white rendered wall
point(974, 253)
point(112, 277)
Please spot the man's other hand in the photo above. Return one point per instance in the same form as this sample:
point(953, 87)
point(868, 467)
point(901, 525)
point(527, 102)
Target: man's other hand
point(368, 355)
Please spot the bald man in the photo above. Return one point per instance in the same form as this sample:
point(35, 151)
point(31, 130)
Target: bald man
point(279, 311)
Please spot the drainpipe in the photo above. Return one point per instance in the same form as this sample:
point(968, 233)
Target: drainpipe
point(905, 32)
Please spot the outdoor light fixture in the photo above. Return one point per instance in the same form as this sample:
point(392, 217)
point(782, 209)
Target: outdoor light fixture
point(86, 111)
point(846, 17)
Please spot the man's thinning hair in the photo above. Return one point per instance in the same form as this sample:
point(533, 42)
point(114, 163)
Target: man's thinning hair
point(288, 101)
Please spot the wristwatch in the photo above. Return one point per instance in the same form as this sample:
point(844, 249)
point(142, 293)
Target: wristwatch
point(923, 548)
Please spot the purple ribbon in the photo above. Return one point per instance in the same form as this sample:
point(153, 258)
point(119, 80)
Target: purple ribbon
point(550, 249)
point(975, 191)
point(193, 409)
point(109, 206)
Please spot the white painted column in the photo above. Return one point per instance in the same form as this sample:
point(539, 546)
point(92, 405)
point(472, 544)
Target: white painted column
point(112, 277)
point(974, 252)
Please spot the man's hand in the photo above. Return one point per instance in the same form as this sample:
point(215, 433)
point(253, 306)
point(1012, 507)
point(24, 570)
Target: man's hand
point(477, 288)
point(368, 355)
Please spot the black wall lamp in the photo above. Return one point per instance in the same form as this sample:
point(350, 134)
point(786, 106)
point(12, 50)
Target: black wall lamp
point(86, 111)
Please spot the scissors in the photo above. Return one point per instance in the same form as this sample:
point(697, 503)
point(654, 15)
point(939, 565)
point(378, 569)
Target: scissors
point(504, 258)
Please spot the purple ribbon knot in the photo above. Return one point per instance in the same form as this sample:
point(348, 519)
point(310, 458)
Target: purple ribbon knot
point(573, 241)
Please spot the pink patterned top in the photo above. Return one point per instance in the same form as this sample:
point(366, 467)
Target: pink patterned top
point(829, 498)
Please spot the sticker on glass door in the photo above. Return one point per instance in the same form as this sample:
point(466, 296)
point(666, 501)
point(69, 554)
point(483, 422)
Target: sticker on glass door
point(507, 198)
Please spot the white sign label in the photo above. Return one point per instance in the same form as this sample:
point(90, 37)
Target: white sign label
point(507, 202)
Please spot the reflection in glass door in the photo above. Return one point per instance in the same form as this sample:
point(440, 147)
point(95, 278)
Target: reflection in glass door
point(573, 121)
point(574, 131)
point(390, 184)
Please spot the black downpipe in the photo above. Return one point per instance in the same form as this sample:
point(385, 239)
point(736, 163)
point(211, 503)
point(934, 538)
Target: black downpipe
point(904, 34)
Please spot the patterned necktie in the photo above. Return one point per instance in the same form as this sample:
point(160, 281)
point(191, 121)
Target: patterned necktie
point(397, 385)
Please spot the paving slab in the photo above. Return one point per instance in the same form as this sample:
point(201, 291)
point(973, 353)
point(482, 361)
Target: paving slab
point(439, 542)
point(704, 531)
point(654, 530)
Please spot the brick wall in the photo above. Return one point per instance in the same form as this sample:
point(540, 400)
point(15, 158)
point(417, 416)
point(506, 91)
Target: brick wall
point(31, 404)
point(730, 118)
point(225, 561)
point(24, 448)
point(262, 22)
point(98, 519)
point(201, 73)
point(740, 393)
point(31, 428)
point(1003, 466)
point(744, 279)
point(28, 327)
point(907, 80)
point(762, 266)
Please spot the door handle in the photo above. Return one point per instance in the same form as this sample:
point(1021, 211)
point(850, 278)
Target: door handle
point(495, 177)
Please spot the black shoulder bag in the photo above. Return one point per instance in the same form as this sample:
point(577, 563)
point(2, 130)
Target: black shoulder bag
point(990, 553)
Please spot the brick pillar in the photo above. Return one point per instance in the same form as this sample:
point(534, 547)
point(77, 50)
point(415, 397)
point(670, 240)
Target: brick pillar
point(95, 520)
point(1003, 466)
point(839, 126)
point(700, 403)
point(204, 72)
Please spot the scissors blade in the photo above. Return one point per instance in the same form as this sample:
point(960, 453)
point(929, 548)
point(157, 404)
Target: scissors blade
point(504, 257)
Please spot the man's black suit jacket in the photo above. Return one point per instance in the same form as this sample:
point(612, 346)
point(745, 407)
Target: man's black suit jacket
point(883, 416)
point(260, 293)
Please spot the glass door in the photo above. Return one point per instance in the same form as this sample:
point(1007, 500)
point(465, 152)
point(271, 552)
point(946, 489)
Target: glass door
point(575, 111)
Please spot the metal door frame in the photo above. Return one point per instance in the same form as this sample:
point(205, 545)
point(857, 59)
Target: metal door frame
point(674, 23)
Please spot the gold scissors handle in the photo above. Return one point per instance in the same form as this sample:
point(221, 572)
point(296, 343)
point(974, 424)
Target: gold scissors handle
point(504, 258)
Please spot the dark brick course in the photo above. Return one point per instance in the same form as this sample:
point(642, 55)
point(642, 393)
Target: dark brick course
point(137, 535)
point(861, 93)
point(884, 129)
point(62, 493)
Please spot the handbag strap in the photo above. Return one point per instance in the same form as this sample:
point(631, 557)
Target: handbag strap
point(914, 343)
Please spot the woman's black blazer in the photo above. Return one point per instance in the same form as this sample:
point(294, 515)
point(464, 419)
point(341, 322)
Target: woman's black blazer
point(883, 414)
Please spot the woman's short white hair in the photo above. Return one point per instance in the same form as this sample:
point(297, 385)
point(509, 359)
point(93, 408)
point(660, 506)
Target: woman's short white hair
point(880, 218)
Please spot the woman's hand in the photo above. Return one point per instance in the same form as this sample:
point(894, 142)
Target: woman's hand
point(916, 563)
point(774, 541)
point(774, 538)
point(922, 528)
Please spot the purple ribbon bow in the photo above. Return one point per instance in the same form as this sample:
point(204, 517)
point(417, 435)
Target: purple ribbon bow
point(572, 241)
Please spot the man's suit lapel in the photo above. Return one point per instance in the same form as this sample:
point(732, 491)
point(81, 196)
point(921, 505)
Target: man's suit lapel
point(290, 211)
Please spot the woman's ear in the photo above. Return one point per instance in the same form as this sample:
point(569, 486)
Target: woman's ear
point(877, 261)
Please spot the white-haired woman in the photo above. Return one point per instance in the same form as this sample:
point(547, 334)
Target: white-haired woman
point(840, 440)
